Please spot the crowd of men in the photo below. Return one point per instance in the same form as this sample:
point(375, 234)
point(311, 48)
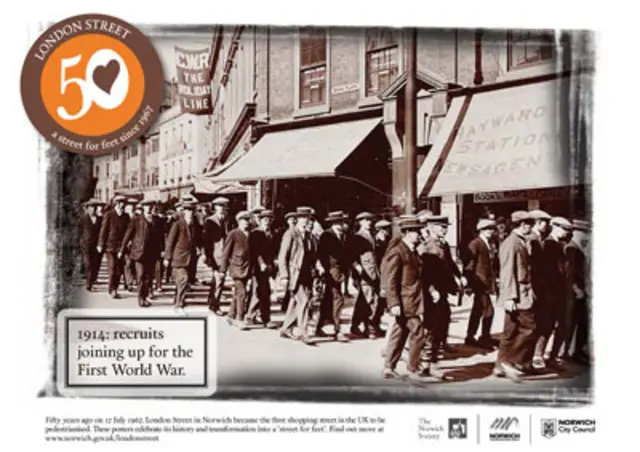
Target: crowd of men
point(538, 273)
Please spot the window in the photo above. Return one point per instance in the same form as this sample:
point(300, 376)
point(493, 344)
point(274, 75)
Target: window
point(134, 150)
point(528, 47)
point(181, 133)
point(381, 59)
point(313, 66)
point(155, 146)
point(180, 173)
point(106, 194)
point(107, 170)
point(166, 140)
point(166, 173)
point(189, 168)
point(173, 171)
point(115, 156)
point(97, 171)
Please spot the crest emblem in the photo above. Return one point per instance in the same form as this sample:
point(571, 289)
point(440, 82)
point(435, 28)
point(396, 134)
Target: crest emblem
point(548, 428)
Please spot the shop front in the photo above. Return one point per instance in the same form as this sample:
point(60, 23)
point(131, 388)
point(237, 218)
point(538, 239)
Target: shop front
point(505, 149)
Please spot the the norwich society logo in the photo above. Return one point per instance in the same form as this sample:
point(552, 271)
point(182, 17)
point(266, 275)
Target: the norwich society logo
point(549, 428)
point(458, 428)
point(92, 84)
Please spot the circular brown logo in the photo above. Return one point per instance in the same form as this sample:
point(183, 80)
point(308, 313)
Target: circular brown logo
point(92, 84)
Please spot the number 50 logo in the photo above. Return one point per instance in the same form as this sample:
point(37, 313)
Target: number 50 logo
point(92, 92)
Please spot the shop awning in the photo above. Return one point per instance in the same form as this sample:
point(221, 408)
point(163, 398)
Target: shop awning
point(497, 140)
point(307, 152)
point(204, 184)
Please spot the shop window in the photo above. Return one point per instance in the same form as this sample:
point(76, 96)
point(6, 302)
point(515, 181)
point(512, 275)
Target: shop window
point(97, 174)
point(529, 47)
point(107, 169)
point(381, 59)
point(313, 67)
point(115, 156)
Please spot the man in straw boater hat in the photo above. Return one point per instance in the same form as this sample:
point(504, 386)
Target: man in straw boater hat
point(578, 287)
point(216, 228)
point(144, 236)
point(296, 261)
point(180, 251)
point(517, 299)
point(366, 276)
point(333, 255)
point(402, 273)
point(264, 248)
point(479, 270)
point(88, 230)
point(114, 226)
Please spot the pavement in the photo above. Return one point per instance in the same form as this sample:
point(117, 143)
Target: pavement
point(258, 363)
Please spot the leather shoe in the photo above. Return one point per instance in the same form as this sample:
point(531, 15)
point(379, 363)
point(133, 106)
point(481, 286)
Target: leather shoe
point(389, 374)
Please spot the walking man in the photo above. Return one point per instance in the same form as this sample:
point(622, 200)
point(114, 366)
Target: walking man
point(89, 229)
point(479, 271)
point(236, 258)
point(578, 272)
point(216, 228)
point(517, 299)
point(290, 219)
point(114, 225)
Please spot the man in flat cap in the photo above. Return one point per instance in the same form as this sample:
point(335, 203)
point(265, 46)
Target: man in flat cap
point(129, 264)
point(517, 299)
point(144, 236)
point(383, 235)
point(479, 270)
point(555, 277)
point(264, 248)
point(333, 255)
point(180, 251)
point(216, 228)
point(402, 273)
point(366, 276)
point(290, 219)
point(172, 217)
point(114, 226)
point(297, 263)
point(255, 217)
point(236, 259)
point(89, 230)
point(578, 276)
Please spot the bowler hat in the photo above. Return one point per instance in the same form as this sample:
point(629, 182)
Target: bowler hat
point(438, 219)
point(305, 212)
point(335, 216)
point(519, 216)
point(119, 198)
point(561, 222)
point(539, 215)
point(365, 216)
point(382, 224)
point(581, 225)
point(243, 215)
point(220, 201)
point(484, 223)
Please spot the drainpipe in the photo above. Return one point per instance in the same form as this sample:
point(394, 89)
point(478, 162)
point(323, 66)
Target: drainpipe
point(477, 76)
point(410, 122)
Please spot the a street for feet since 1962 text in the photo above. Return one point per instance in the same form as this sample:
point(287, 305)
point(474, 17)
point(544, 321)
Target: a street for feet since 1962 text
point(138, 352)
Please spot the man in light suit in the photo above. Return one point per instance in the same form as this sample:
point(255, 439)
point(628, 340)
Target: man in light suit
point(517, 299)
point(479, 270)
point(216, 228)
point(297, 261)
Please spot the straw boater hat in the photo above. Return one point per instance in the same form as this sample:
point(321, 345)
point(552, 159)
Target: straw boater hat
point(119, 198)
point(92, 202)
point(485, 223)
point(257, 210)
point(243, 215)
point(581, 225)
point(520, 216)
point(562, 222)
point(290, 215)
point(220, 201)
point(365, 216)
point(266, 213)
point(409, 223)
point(438, 219)
point(539, 215)
point(382, 224)
point(305, 212)
point(336, 216)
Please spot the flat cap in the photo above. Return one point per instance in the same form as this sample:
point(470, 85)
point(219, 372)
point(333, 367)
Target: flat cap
point(407, 223)
point(337, 215)
point(290, 215)
point(132, 201)
point(188, 205)
point(539, 215)
point(437, 219)
point(519, 216)
point(562, 222)
point(581, 225)
point(304, 211)
point(365, 216)
point(146, 202)
point(257, 210)
point(92, 202)
point(119, 198)
point(220, 201)
point(382, 224)
point(243, 215)
point(485, 223)
point(266, 213)
point(171, 212)
point(424, 214)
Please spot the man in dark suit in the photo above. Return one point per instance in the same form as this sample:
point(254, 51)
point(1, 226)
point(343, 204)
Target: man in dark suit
point(161, 224)
point(216, 228)
point(181, 250)
point(236, 259)
point(172, 217)
point(366, 276)
point(297, 263)
point(578, 274)
point(129, 265)
point(553, 250)
point(402, 272)
point(334, 258)
point(479, 271)
point(383, 236)
point(290, 219)
point(114, 225)
point(263, 246)
point(517, 299)
point(145, 237)
point(89, 230)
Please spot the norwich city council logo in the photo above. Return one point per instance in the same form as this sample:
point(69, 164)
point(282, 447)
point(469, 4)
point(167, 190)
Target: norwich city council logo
point(92, 84)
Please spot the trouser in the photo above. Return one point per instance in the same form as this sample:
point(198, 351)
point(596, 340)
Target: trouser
point(436, 321)
point(331, 306)
point(114, 267)
point(403, 328)
point(367, 308)
point(193, 267)
point(580, 327)
point(181, 278)
point(482, 309)
point(129, 272)
point(144, 275)
point(158, 273)
point(565, 317)
point(238, 304)
point(168, 272)
point(260, 298)
point(285, 301)
point(215, 290)
point(298, 310)
point(91, 264)
point(518, 337)
point(549, 313)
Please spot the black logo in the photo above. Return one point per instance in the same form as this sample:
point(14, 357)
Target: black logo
point(549, 428)
point(458, 428)
point(505, 429)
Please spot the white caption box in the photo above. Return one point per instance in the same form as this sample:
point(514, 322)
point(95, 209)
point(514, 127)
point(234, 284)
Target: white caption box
point(136, 353)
